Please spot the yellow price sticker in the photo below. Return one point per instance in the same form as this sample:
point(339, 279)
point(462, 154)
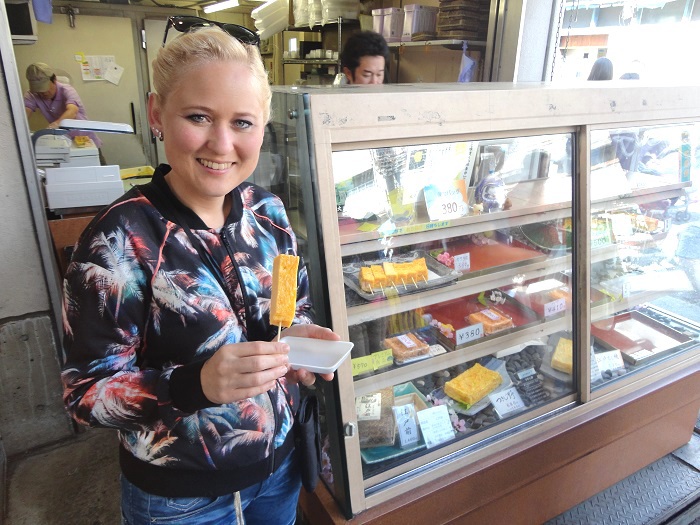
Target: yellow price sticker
point(382, 359)
point(361, 365)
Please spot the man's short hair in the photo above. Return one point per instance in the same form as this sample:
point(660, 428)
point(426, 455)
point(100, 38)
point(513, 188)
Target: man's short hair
point(362, 44)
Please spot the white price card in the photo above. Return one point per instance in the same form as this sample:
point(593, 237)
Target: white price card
point(444, 202)
point(506, 401)
point(435, 425)
point(463, 262)
point(626, 289)
point(554, 307)
point(405, 416)
point(369, 407)
point(595, 371)
point(611, 360)
point(469, 333)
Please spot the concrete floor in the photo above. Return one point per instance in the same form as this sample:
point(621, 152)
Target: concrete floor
point(74, 482)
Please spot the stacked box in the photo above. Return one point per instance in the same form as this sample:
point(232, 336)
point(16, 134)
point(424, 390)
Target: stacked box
point(419, 22)
point(463, 19)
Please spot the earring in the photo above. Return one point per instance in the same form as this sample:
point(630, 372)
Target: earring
point(158, 134)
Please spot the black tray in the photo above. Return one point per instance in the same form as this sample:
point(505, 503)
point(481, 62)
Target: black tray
point(438, 275)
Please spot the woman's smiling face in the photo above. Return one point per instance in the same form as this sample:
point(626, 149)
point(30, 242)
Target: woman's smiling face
point(212, 123)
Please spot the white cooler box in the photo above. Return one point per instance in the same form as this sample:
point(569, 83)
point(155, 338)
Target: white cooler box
point(82, 186)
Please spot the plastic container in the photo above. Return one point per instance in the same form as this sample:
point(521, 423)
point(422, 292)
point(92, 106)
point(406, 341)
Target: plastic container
point(393, 24)
point(378, 20)
point(418, 19)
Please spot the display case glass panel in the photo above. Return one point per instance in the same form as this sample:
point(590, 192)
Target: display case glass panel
point(646, 287)
point(463, 330)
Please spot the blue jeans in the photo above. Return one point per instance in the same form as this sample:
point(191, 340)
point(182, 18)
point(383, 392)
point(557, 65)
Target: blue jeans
point(270, 502)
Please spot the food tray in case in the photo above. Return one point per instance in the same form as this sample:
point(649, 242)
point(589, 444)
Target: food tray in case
point(493, 255)
point(403, 394)
point(638, 336)
point(455, 313)
point(438, 275)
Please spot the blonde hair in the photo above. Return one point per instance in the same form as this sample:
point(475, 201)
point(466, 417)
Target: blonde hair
point(209, 44)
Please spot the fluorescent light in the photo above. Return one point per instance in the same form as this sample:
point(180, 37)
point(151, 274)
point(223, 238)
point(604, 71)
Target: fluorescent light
point(220, 6)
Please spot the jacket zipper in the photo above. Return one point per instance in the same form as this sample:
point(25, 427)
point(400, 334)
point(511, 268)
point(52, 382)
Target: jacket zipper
point(227, 246)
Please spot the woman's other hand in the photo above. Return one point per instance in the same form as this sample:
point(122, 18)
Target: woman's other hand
point(312, 331)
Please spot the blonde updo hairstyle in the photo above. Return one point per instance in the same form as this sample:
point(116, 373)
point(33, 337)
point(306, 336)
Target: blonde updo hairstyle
point(208, 44)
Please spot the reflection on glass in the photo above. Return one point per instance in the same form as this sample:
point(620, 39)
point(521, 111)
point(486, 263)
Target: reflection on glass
point(645, 286)
point(432, 309)
point(396, 189)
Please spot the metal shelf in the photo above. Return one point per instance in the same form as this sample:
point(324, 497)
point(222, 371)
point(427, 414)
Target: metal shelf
point(322, 61)
point(449, 44)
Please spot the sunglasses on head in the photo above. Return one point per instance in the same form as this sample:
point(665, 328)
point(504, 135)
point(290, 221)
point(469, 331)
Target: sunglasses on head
point(183, 24)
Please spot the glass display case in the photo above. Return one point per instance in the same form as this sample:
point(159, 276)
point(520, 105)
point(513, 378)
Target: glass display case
point(500, 259)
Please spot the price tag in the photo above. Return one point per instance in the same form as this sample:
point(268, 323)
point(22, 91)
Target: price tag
point(362, 365)
point(611, 360)
point(369, 407)
point(626, 289)
point(382, 359)
point(462, 262)
point(405, 416)
point(595, 371)
point(444, 203)
point(469, 333)
point(555, 307)
point(507, 401)
point(435, 425)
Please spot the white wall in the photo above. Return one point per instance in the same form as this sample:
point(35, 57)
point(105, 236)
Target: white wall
point(57, 46)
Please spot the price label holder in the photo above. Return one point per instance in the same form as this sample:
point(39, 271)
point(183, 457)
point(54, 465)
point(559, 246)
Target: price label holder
point(369, 407)
point(469, 333)
point(362, 365)
point(462, 262)
point(382, 359)
point(610, 360)
point(554, 307)
point(595, 370)
point(435, 425)
point(445, 202)
point(405, 416)
point(507, 402)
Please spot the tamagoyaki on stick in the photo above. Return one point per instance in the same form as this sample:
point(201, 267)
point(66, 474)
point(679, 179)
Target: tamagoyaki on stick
point(283, 302)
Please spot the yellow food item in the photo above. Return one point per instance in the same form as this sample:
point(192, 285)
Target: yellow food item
point(492, 320)
point(561, 293)
point(379, 275)
point(283, 303)
point(563, 356)
point(81, 141)
point(390, 272)
point(421, 269)
point(472, 385)
point(367, 281)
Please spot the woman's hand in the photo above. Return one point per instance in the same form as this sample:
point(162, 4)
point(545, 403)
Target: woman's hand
point(312, 331)
point(242, 370)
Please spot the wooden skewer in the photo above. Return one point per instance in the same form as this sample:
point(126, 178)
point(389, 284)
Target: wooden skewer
point(414, 282)
point(404, 284)
point(279, 332)
point(380, 286)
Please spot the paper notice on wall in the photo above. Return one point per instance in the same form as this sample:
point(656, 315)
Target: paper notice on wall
point(93, 67)
point(113, 74)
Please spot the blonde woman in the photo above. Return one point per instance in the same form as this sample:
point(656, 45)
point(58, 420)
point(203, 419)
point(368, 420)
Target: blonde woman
point(167, 331)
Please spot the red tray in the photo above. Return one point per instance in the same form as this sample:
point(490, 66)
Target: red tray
point(637, 336)
point(496, 256)
point(455, 312)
